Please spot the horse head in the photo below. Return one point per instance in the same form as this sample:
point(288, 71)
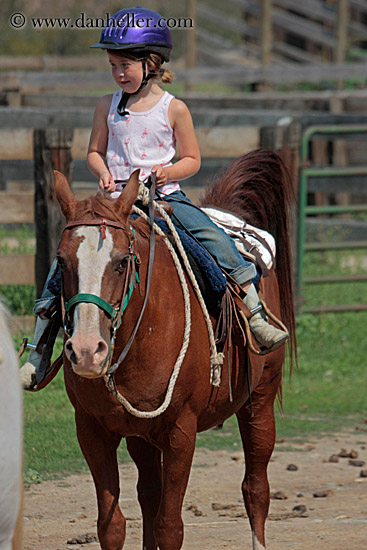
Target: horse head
point(95, 255)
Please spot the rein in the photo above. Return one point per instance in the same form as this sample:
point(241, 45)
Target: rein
point(131, 273)
point(216, 359)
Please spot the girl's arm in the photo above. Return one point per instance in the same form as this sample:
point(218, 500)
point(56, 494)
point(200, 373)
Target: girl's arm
point(189, 163)
point(96, 158)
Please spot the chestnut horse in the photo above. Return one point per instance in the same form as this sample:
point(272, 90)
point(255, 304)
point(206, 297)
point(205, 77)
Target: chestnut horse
point(94, 262)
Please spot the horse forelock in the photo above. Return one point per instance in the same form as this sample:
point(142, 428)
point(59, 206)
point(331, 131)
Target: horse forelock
point(96, 206)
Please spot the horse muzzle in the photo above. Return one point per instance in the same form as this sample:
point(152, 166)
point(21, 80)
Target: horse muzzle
point(88, 355)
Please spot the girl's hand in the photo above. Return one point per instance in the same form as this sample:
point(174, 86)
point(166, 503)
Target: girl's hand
point(161, 175)
point(106, 182)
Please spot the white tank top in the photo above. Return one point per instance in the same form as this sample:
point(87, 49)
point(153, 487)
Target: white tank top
point(140, 140)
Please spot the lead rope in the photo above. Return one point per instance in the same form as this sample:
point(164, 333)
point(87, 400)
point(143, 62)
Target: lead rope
point(185, 342)
point(216, 359)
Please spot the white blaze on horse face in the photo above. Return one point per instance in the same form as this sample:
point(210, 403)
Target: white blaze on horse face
point(93, 254)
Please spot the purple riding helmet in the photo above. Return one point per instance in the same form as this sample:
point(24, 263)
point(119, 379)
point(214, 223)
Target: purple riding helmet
point(137, 31)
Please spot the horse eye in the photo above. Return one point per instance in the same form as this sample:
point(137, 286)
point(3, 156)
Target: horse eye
point(123, 264)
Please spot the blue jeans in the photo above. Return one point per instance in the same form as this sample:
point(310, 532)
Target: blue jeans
point(219, 245)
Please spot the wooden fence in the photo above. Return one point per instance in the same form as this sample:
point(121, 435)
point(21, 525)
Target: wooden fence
point(224, 133)
point(282, 31)
point(239, 43)
point(221, 138)
point(63, 81)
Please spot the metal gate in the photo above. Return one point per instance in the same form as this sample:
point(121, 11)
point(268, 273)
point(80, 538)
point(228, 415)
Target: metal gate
point(318, 178)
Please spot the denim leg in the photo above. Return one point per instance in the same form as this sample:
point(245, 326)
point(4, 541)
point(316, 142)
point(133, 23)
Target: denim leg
point(47, 298)
point(213, 238)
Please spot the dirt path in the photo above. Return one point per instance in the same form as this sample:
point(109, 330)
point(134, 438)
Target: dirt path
point(58, 512)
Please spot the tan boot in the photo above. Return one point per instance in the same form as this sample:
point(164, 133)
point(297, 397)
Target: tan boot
point(28, 372)
point(266, 335)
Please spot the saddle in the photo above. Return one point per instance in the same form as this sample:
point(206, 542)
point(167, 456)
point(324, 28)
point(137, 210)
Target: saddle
point(222, 295)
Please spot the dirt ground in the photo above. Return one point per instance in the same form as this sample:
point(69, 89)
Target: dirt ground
point(59, 514)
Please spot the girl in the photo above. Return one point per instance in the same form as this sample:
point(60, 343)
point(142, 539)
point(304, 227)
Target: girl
point(139, 127)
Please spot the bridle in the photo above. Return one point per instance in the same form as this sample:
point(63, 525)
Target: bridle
point(130, 282)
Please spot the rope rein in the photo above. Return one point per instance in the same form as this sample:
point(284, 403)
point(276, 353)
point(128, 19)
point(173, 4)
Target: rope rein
point(216, 359)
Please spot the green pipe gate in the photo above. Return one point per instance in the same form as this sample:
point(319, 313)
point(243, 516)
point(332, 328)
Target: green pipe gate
point(307, 172)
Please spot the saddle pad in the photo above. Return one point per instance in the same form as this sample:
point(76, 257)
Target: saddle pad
point(237, 228)
point(209, 269)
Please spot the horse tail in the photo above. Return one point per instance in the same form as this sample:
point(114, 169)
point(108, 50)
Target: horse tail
point(258, 188)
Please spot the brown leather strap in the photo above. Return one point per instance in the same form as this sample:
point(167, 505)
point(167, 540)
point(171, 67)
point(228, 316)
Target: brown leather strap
point(54, 326)
point(102, 222)
point(111, 369)
point(50, 373)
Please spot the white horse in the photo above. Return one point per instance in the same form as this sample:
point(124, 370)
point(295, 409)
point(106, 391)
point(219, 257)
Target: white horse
point(11, 427)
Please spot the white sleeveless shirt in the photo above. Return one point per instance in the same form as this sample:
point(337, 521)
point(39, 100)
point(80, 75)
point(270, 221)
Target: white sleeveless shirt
point(140, 140)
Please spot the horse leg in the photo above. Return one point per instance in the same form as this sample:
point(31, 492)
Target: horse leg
point(258, 439)
point(178, 450)
point(148, 461)
point(99, 449)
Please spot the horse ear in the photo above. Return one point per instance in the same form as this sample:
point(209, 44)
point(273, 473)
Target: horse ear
point(128, 196)
point(64, 195)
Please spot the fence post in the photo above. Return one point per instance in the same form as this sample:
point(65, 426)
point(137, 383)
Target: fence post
point(52, 151)
point(266, 32)
point(342, 36)
point(285, 139)
point(191, 43)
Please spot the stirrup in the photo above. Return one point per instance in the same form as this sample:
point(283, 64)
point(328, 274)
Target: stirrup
point(250, 337)
point(26, 345)
point(46, 371)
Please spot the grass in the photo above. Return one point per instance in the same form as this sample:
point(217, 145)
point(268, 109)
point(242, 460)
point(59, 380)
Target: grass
point(50, 442)
point(327, 393)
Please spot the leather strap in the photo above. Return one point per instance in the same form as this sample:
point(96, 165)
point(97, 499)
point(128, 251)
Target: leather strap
point(102, 222)
point(111, 369)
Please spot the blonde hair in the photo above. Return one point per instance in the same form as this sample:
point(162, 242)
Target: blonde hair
point(154, 63)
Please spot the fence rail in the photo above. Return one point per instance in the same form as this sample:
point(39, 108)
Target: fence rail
point(299, 31)
point(62, 81)
point(225, 132)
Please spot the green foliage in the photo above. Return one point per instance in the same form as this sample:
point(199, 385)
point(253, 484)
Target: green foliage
point(17, 241)
point(19, 299)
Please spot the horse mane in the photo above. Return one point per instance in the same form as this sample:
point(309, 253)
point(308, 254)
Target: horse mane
point(258, 188)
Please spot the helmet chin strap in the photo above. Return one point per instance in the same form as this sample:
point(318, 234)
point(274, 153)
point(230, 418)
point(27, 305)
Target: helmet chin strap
point(121, 108)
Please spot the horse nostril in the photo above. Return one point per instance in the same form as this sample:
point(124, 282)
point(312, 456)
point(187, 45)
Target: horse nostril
point(101, 348)
point(69, 348)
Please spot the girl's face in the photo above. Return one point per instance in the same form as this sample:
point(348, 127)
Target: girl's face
point(127, 73)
